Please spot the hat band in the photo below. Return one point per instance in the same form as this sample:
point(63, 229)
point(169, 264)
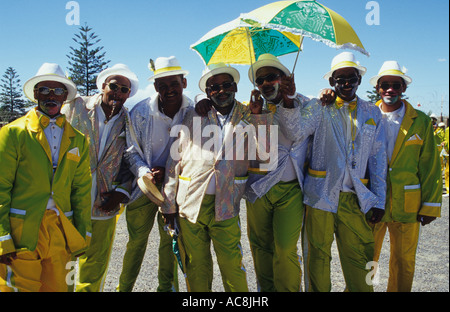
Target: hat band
point(164, 69)
point(391, 72)
point(344, 64)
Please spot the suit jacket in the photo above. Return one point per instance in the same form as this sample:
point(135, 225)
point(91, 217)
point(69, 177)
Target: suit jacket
point(193, 162)
point(81, 113)
point(27, 181)
point(330, 155)
point(414, 177)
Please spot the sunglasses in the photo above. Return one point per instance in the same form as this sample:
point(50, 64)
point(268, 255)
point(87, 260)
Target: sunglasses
point(269, 78)
point(217, 87)
point(343, 81)
point(386, 86)
point(115, 86)
point(46, 90)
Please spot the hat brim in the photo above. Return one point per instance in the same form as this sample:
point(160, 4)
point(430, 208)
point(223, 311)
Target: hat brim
point(374, 80)
point(101, 78)
point(361, 69)
point(150, 190)
point(265, 63)
point(217, 71)
point(28, 87)
point(169, 73)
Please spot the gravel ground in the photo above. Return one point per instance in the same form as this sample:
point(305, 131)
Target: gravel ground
point(432, 263)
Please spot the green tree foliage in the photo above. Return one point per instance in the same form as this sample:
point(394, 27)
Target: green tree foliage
point(86, 61)
point(12, 104)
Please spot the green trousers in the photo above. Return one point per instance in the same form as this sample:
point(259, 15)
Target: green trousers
point(355, 243)
point(225, 236)
point(274, 222)
point(93, 265)
point(140, 217)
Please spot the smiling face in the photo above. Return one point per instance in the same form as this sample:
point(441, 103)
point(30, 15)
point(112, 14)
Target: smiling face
point(391, 88)
point(268, 81)
point(170, 90)
point(345, 82)
point(221, 89)
point(50, 104)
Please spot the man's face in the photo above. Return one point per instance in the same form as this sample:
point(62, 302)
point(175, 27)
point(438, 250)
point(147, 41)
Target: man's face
point(170, 89)
point(390, 88)
point(221, 89)
point(268, 81)
point(345, 82)
point(116, 90)
point(50, 101)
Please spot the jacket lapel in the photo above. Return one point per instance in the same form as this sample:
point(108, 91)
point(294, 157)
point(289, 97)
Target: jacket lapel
point(408, 120)
point(35, 126)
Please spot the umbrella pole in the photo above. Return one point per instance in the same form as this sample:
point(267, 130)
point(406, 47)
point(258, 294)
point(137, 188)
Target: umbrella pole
point(296, 58)
point(250, 54)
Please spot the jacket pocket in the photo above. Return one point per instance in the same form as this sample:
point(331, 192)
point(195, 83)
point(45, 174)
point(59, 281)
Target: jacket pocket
point(183, 187)
point(16, 220)
point(413, 197)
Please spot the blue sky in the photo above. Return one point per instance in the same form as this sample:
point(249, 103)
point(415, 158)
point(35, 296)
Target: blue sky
point(415, 33)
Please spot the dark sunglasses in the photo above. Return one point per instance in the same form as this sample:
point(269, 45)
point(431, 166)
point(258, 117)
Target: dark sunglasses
point(115, 86)
point(269, 78)
point(386, 86)
point(343, 81)
point(46, 90)
point(217, 87)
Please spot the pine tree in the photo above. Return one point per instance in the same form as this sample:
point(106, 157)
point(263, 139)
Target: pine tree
point(87, 61)
point(11, 100)
point(373, 95)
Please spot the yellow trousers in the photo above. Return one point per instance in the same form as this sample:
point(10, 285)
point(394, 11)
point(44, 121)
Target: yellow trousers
point(446, 174)
point(93, 265)
point(43, 269)
point(404, 238)
point(354, 240)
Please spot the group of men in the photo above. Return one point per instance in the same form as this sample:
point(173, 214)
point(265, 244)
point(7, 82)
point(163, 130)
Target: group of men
point(316, 169)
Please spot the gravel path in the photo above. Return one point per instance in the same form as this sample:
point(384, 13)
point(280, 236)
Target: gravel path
point(432, 263)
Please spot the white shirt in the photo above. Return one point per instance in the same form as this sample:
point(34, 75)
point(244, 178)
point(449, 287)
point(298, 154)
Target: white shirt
point(392, 126)
point(347, 184)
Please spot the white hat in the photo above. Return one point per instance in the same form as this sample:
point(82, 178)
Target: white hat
point(50, 72)
point(441, 124)
point(266, 60)
point(166, 66)
point(119, 70)
point(433, 116)
point(344, 60)
point(217, 69)
point(391, 68)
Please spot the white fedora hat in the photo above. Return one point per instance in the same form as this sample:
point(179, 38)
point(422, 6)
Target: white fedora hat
point(344, 60)
point(49, 72)
point(217, 69)
point(266, 60)
point(391, 68)
point(166, 66)
point(119, 70)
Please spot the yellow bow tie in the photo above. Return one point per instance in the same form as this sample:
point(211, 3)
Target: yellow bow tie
point(45, 121)
point(351, 105)
point(272, 107)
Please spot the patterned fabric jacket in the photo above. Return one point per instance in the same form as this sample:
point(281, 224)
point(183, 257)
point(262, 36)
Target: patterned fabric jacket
point(201, 157)
point(366, 159)
point(81, 113)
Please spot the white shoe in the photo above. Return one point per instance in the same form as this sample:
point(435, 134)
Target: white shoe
point(445, 195)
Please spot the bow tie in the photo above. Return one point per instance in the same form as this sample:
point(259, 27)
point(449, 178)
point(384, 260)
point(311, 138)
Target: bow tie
point(351, 105)
point(45, 121)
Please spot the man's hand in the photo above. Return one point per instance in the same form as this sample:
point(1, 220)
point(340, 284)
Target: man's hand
point(377, 215)
point(424, 220)
point(112, 201)
point(8, 258)
point(158, 174)
point(256, 102)
point(327, 97)
point(288, 90)
point(169, 219)
point(203, 107)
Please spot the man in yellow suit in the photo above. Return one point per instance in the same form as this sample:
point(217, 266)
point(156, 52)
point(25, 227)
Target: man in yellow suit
point(414, 181)
point(45, 190)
